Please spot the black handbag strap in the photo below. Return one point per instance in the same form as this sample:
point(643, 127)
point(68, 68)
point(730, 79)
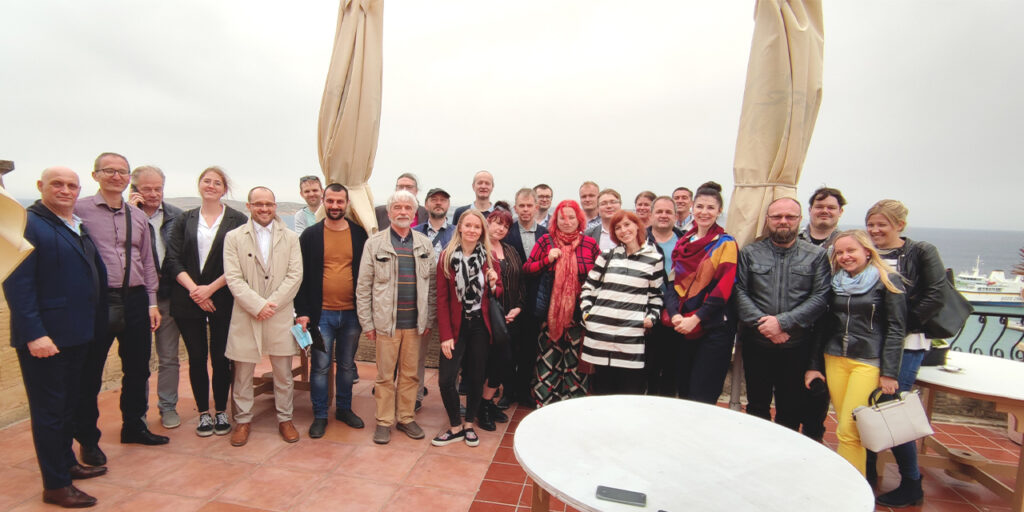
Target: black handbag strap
point(877, 393)
point(127, 247)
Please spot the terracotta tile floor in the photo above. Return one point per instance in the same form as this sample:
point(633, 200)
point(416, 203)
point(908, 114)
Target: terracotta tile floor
point(345, 471)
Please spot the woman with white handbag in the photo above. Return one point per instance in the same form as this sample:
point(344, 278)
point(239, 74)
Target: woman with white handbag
point(861, 336)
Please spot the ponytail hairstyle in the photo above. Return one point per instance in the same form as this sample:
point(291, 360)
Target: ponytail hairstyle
point(893, 211)
point(713, 190)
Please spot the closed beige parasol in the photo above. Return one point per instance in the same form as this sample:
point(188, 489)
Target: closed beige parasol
point(350, 110)
point(780, 105)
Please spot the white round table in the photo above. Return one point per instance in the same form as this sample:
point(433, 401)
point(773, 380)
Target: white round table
point(683, 455)
point(985, 378)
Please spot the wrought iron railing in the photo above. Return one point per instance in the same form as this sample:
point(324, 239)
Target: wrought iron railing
point(992, 331)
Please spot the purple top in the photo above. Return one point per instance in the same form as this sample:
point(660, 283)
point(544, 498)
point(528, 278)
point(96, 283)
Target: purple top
point(106, 228)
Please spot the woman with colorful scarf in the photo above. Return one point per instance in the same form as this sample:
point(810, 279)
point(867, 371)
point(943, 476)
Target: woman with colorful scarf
point(565, 257)
point(466, 277)
point(861, 336)
point(703, 273)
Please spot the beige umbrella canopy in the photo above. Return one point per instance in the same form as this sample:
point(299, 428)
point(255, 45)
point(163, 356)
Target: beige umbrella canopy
point(350, 110)
point(780, 105)
point(13, 246)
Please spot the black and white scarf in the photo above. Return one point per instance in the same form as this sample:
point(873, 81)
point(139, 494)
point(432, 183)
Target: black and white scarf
point(468, 270)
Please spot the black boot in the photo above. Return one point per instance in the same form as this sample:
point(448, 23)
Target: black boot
point(871, 469)
point(908, 493)
point(496, 413)
point(484, 419)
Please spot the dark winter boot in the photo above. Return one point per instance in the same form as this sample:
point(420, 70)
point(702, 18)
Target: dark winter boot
point(484, 419)
point(908, 493)
point(496, 413)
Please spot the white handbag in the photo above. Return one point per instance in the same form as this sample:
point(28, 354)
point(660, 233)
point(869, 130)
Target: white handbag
point(887, 424)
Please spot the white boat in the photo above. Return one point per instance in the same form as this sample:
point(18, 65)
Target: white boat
point(992, 290)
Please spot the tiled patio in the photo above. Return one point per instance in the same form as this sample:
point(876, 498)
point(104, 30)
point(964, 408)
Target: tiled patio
point(345, 471)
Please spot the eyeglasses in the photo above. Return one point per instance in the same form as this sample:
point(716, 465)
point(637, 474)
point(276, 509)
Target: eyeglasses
point(309, 178)
point(787, 218)
point(110, 171)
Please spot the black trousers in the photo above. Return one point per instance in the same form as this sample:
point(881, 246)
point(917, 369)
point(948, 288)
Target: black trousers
point(524, 358)
point(778, 372)
point(662, 360)
point(815, 412)
point(473, 346)
point(612, 380)
point(499, 358)
point(704, 363)
point(134, 345)
point(193, 332)
point(52, 384)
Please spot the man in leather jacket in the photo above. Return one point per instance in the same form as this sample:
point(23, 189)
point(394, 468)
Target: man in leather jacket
point(782, 287)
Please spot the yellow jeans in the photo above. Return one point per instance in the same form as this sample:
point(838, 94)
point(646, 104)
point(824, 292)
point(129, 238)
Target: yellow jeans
point(401, 351)
point(850, 383)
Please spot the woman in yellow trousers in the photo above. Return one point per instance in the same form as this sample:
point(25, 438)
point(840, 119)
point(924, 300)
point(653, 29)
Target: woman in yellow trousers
point(860, 339)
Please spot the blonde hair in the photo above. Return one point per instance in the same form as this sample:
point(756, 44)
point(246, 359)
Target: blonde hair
point(861, 237)
point(894, 211)
point(219, 172)
point(456, 242)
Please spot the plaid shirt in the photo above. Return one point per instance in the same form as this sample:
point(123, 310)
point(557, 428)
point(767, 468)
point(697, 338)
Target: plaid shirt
point(586, 253)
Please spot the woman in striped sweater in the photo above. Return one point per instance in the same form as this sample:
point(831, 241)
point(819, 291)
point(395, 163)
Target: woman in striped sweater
point(620, 300)
point(704, 270)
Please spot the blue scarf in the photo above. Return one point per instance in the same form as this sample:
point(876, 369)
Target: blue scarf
point(845, 284)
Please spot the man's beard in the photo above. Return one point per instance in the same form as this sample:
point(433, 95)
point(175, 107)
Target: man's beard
point(782, 236)
point(436, 215)
point(335, 214)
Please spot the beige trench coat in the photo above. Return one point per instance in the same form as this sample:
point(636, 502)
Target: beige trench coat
point(254, 283)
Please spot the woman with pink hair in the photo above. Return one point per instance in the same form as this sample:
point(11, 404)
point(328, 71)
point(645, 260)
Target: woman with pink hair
point(563, 257)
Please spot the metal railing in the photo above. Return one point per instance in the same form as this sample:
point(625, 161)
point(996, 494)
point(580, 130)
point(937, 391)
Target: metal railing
point(992, 331)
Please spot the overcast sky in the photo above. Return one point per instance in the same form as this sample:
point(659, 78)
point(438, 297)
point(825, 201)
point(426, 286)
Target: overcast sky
point(922, 99)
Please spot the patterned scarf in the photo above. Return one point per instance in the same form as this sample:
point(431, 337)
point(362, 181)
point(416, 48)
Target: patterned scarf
point(687, 258)
point(467, 270)
point(565, 290)
point(845, 284)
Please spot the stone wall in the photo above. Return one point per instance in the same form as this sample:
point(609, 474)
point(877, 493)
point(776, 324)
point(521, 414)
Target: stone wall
point(13, 403)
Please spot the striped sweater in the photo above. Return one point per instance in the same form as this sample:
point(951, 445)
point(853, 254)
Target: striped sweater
point(620, 293)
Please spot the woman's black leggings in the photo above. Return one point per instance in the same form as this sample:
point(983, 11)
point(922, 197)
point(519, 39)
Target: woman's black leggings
point(193, 332)
point(473, 345)
point(499, 359)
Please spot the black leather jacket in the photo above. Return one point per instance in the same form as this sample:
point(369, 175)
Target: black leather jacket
point(920, 265)
point(871, 325)
point(791, 283)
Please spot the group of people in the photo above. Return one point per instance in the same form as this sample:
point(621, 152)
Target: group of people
point(534, 302)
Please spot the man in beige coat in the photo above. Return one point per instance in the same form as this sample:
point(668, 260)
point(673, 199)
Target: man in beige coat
point(395, 298)
point(263, 267)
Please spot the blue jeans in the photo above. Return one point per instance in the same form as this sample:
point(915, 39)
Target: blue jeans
point(343, 327)
point(906, 453)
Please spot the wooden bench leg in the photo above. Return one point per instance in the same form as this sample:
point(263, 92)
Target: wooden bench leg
point(541, 498)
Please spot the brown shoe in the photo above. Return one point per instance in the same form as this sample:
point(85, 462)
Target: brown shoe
point(80, 472)
point(241, 435)
point(288, 432)
point(68, 497)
